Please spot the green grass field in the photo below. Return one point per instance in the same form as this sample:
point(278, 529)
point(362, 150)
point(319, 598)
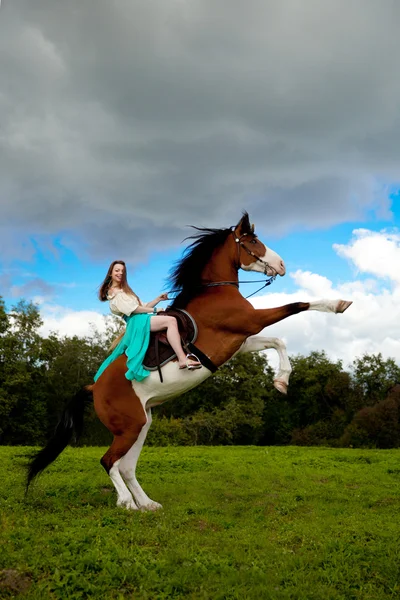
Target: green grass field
point(238, 523)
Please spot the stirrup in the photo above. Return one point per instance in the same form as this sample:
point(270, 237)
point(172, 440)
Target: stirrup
point(192, 367)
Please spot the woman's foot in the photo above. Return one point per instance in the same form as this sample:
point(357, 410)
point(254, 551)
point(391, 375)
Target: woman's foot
point(191, 365)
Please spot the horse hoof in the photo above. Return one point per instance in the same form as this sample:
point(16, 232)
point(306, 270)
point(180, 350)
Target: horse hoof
point(152, 506)
point(127, 504)
point(343, 305)
point(281, 386)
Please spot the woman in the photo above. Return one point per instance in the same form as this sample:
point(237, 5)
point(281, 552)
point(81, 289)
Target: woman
point(140, 320)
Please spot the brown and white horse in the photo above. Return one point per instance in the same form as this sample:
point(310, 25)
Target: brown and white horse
point(207, 280)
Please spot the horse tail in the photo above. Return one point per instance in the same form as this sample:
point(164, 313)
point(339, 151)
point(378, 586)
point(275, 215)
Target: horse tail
point(117, 340)
point(69, 426)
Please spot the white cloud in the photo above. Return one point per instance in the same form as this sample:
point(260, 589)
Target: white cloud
point(370, 325)
point(313, 283)
point(374, 253)
point(69, 322)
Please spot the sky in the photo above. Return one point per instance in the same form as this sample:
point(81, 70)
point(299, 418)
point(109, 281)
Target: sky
point(124, 122)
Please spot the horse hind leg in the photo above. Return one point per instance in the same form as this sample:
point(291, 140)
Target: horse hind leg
point(281, 381)
point(127, 468)
point(111, 462)
point(257, 343)
point(117, 452)
point(121, 411)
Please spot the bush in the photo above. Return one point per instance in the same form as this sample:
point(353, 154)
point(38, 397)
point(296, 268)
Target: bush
point(168, 432)
point(375, 426)
point(322, 433)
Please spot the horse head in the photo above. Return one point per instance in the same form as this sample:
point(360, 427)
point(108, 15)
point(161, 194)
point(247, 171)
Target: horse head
point(253, 255)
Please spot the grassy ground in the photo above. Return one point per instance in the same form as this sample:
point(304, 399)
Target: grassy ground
point(238, 523)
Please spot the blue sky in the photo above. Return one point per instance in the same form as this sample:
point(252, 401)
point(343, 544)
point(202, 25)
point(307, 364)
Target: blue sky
point(73, 278)
point(125, 122)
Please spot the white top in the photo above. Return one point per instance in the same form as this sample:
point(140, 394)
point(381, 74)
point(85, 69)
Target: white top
point(122, 303)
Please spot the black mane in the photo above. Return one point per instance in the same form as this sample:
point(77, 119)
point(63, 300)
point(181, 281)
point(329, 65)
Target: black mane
point(185, 277)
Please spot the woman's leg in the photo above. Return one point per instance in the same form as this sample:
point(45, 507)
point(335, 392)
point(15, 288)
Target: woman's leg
point(169, 323)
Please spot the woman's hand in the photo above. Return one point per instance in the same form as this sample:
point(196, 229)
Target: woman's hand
point(159, 298)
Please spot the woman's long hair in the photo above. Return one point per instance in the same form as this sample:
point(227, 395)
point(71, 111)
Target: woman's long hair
point(105, 286)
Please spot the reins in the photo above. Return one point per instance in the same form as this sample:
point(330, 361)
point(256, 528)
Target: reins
point(236, 284)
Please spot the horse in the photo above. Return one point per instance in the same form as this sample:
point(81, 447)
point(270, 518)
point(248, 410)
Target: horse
point(208, 289)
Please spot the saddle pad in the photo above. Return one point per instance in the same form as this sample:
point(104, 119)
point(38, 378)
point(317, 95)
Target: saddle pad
point(188, 332)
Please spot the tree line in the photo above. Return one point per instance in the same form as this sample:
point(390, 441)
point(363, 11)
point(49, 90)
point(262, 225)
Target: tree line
point(326, 404)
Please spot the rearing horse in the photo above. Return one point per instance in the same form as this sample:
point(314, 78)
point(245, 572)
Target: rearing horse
point(207, 278)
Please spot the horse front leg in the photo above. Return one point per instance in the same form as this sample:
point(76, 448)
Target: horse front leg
point(257, 343)
point(269, 316)
point(332, 306)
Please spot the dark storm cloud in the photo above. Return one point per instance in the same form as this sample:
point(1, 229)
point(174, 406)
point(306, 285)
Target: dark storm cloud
point(34, 287)
point(124, 121)
point(5, 283)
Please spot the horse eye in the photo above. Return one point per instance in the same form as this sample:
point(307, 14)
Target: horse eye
point(253, 242)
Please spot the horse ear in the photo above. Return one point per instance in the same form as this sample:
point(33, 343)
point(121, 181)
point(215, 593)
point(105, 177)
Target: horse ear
point(244, 225)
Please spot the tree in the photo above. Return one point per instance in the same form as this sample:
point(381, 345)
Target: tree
point(71, 363)
point(317, 394)
point(373, 377)
point(376, 426)
point(4, 324)
point(21, 409)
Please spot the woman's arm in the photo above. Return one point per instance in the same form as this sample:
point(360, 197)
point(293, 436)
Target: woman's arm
point(154, 302)
point(127, 304)
point(146, 309)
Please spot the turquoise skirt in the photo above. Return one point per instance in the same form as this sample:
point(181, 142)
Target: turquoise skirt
point(134, 344)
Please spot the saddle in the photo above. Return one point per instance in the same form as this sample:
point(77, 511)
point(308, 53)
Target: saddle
point(159, 351)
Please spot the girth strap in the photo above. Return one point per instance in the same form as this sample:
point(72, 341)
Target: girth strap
point(157, 350)
point(203, 358)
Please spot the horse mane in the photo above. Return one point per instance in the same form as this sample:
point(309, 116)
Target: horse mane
point(185, 276)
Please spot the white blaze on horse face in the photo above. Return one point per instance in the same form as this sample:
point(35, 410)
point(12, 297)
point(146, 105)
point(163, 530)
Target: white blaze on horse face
point(276, 266)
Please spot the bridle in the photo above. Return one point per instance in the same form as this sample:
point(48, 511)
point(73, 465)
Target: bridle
point(240, 244)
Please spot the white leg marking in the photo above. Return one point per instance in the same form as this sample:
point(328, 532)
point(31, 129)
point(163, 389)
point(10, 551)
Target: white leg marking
point(124, 496)
point(256, 343)
point(127, 469)
point(332, 306)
